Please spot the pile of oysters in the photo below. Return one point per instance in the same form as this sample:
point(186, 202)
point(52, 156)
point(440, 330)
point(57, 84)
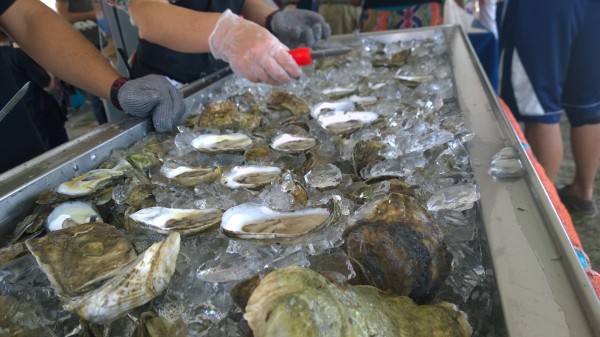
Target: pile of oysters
point(327, 148)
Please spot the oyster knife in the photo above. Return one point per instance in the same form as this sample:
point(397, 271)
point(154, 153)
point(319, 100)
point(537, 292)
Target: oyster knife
point(304, 56)
point(13, 101)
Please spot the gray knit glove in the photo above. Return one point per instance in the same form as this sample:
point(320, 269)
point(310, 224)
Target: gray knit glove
point(295, 27)
point(152, 95)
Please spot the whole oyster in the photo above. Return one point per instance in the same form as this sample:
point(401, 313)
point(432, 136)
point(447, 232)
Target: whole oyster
point(280, 100)
point(296, 301)
point(226, 115)
point(398, 247)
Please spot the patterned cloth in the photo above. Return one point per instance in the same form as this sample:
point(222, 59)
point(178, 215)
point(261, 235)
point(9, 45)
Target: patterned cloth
point(400, 17)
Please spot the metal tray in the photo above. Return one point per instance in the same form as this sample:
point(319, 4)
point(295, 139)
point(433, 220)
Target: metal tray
point(543, 290)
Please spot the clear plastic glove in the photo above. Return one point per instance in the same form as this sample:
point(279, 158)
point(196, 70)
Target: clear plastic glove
point(153, 95)
point(252, 52)
point(295, 27)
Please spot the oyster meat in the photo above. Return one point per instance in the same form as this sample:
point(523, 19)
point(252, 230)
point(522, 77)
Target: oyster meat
point(190, 175)
point(89, 182)
point(184, 221)
point(135, 284)
point(252, 221)
point(71, 213)
point(234, 142)
point(297, 302)
point(250, 176)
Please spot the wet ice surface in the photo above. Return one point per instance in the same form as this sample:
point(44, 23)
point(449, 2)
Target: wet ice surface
point(423, 135)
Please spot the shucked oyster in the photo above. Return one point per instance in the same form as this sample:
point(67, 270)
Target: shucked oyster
point(338, 122)
point(234, 142)
point(323, 107)
point(252, 221)
point(297, 302)
point(290, 142)
point(71, 213)
point(135, 284)
point(184, 221)
point(250, 176)
point(190, 175)
point(398, 246)
point(88, 182)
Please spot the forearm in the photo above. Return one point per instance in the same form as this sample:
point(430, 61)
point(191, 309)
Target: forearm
point(257, 11)
point(58, 47)
point(172, 26)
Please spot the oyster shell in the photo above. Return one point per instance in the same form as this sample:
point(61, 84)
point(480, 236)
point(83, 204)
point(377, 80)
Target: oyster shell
point(323, 107)
point(135, 284)
point(397, 246)
point(280, 100)
point(234, 142)
point(250, 176)
point(190, 175)
point(340, 92)
point(226, 115)
point(395, 60)
point(287, 142)
point(185, 221)
point(152, 325)
point(89, 182)
point(71, 213)
point(338, 122)
point(76, 258)
point(296, 302)
point(252, 221)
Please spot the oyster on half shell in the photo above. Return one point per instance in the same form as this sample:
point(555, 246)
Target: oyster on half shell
point(234, 142)
point(185, 221)
point(253, 221)
point(190, 175)
point(292, 143)
point(250, 176)
point(89, 182)
point(338, 122)
point(71, 213)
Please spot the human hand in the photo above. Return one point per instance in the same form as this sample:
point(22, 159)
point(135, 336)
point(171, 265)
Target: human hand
point(152, 95)
point(251, 50)
point(295, 27)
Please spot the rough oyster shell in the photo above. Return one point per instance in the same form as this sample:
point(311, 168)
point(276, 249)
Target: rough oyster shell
point(135, 284)
point(250, 176)
point(287, 101)
point(89, 182)
point(76, 258)
point(252, 221)
point(397, 246)
point(190, 175)
point(226, 115)
point(185, 221)
point(296, 302)
point(234, 142)
point(71, 213)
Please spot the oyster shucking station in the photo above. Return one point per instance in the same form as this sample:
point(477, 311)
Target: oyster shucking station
point(384, 193)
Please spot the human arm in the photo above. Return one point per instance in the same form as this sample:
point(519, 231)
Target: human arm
point(62, 7)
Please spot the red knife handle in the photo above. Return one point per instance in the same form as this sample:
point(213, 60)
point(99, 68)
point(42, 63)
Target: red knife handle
point(302, 56)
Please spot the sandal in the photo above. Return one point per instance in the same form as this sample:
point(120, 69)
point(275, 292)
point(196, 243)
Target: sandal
point(576, 206)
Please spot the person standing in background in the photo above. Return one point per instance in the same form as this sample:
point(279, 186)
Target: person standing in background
point(381, 15)
point(45, 113)
point(80, 11)
point(341, 15)
point(550, 65)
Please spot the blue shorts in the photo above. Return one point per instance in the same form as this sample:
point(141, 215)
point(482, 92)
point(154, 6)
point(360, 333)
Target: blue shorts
point(550, 60)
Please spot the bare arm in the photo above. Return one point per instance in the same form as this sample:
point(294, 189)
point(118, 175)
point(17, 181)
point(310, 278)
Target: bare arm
point(172, 26)
point(257, 11)
point(63, 9)
point(58, 47)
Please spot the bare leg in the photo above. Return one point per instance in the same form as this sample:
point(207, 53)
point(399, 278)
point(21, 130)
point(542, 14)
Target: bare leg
point(585, 142)
point(546, 143)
